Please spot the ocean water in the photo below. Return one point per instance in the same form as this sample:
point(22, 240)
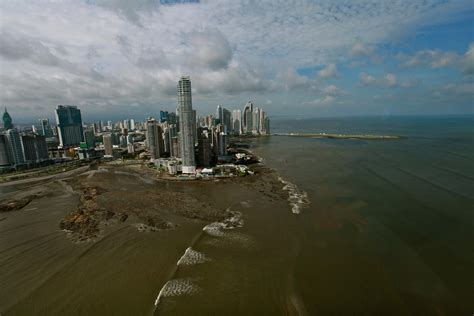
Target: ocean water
point(390, 224)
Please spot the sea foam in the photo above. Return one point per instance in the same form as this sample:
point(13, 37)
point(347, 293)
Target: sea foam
point(191, 257)
point(177, 287)
point(297, 198)
point(216, 229)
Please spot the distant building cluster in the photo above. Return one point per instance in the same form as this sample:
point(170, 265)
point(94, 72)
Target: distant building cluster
point(19, 150)
point(180, 141)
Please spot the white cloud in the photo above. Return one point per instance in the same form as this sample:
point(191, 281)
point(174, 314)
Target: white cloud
point(325, 100)
point(391, 80)
point(388, 80)
point(330, 71)
point(429, 57)
point(361, 49)
point(366, 79)
point(467, 62)
point(133, 52)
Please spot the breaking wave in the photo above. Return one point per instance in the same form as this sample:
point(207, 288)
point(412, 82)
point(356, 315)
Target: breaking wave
point(216, 229)
point(176, 287)
point(297, 198)
point(191, 257)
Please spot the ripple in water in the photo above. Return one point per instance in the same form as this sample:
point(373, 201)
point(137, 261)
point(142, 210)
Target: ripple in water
point(177, 287)
point(296, 197)
point(191, 257)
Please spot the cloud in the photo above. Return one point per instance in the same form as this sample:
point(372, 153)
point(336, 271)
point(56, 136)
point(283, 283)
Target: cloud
point(388, 80)
point(391, 80)
point(330, 71)
point(290, 80)
point(366, 79)
point(209, 49)
point(116, 53)
point(432, 58)
point(325, 100)
point(467, 63)
point(333, 91)
point(361, 49)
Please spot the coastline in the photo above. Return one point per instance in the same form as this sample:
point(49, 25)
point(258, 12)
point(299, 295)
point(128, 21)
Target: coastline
point(342, 136)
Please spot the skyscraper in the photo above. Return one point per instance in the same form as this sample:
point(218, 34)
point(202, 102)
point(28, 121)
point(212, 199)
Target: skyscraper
point(256, 121)
point(34, 147)
point(247, 118)
point(69, 122)
point(236, 122)
point(186, 125)
point(45, 128)
point(89, 137)
point(7, 120)
point(109, 148)
point(154, 138)
point(4, 160)
point(14, 148)
point(204, 147)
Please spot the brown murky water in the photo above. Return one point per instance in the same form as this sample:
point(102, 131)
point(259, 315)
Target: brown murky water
point(388, 231)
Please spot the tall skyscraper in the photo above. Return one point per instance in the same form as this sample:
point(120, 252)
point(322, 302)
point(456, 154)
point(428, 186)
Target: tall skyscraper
point(247, 118)
point(154, 138)
point(34, 147)
point(69, 122)
point(220, 114)
point(89, 137)
point(109, 148)
point(14, 148)
point(236, 122)
point(186, 125)
point(4, 159)
point(7, 120)
point(45, 128)
point(255, 120)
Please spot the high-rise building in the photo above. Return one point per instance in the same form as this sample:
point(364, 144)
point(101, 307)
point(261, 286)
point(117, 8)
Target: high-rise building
point(227, 120)
point(255, 121)
point(175, 147)
point(187, 125)
point(267, 125)
point(204, 147)
point(45, 128)
point(34, 148)
point(164, 116)
point(69, 122)
point(7, 120)
point(222, 144)
point(154, 138)
point(236, 122)
point(89, 137)
point(109, 148)
point(220, 114)
point(132, 124)
point(14, 148)
point(261, 124)
point(4, 160)
point(247, 118)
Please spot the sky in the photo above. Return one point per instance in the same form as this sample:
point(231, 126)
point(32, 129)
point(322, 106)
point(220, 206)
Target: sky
point(295, 58)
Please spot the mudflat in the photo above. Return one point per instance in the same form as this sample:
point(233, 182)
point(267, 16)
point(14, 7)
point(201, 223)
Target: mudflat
point(108, 239)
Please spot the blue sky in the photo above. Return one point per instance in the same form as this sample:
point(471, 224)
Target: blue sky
point(118, 59)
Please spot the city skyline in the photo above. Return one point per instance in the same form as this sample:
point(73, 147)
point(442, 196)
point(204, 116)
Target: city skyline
point(311, 60)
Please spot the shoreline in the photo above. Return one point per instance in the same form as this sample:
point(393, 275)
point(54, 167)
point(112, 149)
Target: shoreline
point(341, 136)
